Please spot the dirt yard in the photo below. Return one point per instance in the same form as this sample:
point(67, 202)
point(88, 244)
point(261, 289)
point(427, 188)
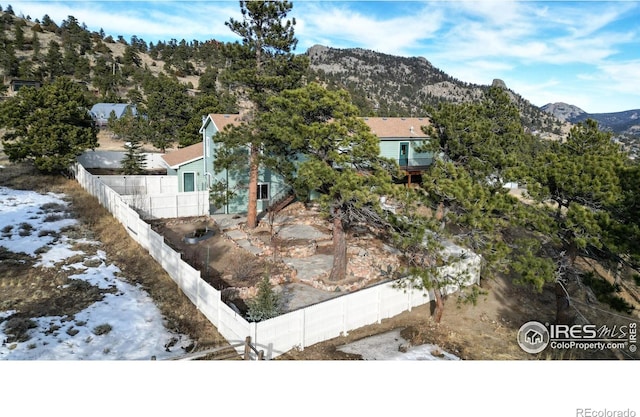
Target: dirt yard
point(481, 323)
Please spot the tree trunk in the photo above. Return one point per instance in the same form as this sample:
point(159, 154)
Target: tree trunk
point(617, 278)
point(439, 305)
point(564, 314)
point(252, 209)
point(339, 268)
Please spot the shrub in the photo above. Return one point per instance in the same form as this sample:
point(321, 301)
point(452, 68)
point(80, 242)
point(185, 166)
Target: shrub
point(245, 268)
point(605, 293)
point(266, 304)
point(102, 329)
point(17, 329)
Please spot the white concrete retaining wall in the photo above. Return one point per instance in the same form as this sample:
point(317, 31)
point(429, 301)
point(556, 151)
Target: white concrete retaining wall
point(297, 329)
point(141, 184)
point(170, 205)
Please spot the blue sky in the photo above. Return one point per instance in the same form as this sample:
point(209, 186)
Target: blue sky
point(585, 53)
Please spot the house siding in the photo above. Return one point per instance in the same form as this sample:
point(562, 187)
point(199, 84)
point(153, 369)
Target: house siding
point(390, 148)
point(237, 180)
point(198, 169)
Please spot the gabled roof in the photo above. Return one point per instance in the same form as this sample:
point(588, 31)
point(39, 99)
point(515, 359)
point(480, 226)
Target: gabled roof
point(397, 127)
point(221, 120)
point(103, 110)
point(383, 127)
point(184, 155)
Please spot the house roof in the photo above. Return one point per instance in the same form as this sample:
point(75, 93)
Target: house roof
point(397, 127)
point(223, 120)
point(183, 155)
point(103, 110)
point(383, 127)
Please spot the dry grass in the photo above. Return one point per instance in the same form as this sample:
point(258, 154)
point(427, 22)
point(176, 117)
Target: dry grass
point(40, 291)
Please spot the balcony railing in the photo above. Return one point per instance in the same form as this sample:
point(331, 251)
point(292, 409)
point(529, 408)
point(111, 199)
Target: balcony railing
point(415, 163)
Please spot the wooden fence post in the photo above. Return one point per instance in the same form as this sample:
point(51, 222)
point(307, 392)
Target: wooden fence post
point(247, 348)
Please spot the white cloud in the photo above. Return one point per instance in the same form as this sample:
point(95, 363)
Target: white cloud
point(148, 20)
point(532, 33)
point(626, 72)
point(343, 27)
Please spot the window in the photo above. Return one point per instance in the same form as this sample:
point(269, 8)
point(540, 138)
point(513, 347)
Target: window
point(189, 182)
point(263, 191)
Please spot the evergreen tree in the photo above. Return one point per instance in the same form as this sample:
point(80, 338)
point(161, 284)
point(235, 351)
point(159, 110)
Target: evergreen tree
point(19, 35)
point(483, 145)
point(53, 60)
point(339, 159)
point(581, 176)
point(49, 126)
point(35, 42)
point(134, 160)
point(487, 138)
point(48, 24)
point(8, 59)
point(266, 303)
point(168, 108)
point(262, 65)
point(624, 235)
point(203, 105)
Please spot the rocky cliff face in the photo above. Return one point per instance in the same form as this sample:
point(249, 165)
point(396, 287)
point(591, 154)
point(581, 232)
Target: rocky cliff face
point(387, 85)
point(563, 111)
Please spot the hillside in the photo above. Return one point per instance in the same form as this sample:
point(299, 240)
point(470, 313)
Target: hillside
point(388, 85)
point(624, 125)
point(619, 123)
point(380, 84)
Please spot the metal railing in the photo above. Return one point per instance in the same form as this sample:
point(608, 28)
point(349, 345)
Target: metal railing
point(415, 162)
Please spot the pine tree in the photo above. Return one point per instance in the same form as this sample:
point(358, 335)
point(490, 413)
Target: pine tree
point(266, 303)
point(133, 162)
point(339, 159)
point(262, 65)
point(581, 176)
point(49, 126)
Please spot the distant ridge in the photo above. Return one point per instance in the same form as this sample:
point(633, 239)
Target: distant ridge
point(624, 123)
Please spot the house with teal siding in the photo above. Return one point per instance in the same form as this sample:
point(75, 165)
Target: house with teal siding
point(187, 163)
point(271, 187)
point(195, 165)
point(400, 139)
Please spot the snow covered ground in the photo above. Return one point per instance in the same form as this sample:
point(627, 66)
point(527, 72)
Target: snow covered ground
point(124, 325)
point(136, 325)
point(390, 346)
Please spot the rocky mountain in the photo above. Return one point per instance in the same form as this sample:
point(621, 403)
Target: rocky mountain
point(622, 124)
point(387, 85)
point(563, 111)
